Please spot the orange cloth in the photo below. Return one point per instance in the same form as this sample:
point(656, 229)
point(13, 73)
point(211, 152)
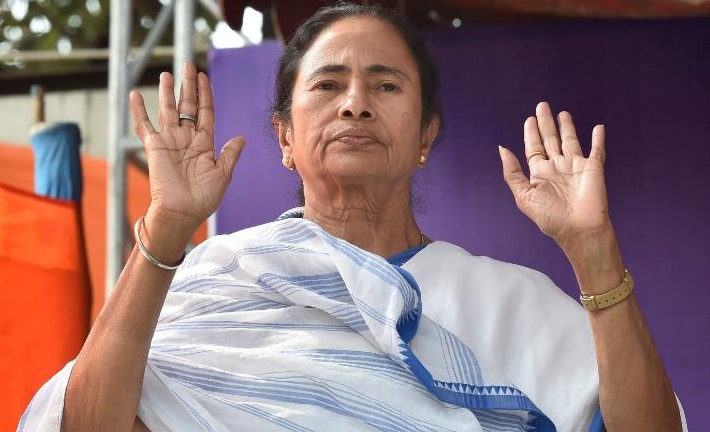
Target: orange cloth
point(16, 167)
point(45, 295)
point(21, 365)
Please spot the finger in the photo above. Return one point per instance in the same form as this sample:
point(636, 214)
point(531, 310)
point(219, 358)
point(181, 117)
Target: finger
point(534, 150)
point(513, 175)
point(167, 114)
point(229, 155)
point(188, 93)
point(598, 143)
point(570, 143)
point(548, 130)
point(141, 121)
point(205, 112)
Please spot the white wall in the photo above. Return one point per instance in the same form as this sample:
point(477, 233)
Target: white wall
point(88, 108)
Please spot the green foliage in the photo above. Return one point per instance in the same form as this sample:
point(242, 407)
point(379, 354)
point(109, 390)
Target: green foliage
point(27, 25)
point(42, 24)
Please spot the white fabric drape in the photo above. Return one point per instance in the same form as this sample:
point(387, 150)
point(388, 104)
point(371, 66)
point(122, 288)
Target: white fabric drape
point(284, 327)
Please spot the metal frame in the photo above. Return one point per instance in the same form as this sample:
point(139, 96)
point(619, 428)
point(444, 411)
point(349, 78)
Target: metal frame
point(124, 72)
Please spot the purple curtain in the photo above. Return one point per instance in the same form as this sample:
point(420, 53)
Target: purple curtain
point(648, 82)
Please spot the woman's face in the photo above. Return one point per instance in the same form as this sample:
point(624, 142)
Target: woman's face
point(356, 111)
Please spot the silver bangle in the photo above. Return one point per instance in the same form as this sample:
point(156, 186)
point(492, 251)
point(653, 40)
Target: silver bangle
point(146, 254)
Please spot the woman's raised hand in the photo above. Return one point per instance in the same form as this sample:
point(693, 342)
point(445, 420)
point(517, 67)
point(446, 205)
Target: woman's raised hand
point(187, 182)
point(565, 194)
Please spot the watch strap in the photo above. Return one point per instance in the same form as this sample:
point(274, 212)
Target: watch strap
point(610, 298)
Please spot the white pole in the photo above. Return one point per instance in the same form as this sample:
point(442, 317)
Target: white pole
point(182, 39)
point(119, 45)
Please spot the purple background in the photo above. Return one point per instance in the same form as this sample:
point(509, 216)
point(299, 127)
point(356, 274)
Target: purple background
point(647, 81)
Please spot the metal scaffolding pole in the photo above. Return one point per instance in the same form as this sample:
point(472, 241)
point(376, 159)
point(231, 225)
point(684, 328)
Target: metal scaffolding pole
point(124, 72)
point(120, 41)
point(151, 40)
point(182, 37)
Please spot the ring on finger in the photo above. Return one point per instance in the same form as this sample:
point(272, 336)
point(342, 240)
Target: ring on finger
point(186, 116)
point(537, 153)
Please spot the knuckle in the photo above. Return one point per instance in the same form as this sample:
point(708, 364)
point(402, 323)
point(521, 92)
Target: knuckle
point(533, 142)
point(551, 139)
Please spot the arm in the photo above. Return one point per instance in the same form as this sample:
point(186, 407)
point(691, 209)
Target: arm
point(635, 392)
point(566, 197)
point(186, 184)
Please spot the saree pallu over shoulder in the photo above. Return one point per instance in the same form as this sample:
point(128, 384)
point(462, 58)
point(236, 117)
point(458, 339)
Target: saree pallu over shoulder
point(285, 327)
point(524, 329)
point(315, 323)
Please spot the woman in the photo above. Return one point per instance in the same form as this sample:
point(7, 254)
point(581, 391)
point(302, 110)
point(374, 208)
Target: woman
point(302, 325)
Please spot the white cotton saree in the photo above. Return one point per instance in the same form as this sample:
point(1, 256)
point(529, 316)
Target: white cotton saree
point(284, 327)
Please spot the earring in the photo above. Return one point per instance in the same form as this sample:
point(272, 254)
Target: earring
point(288, 163)
point(422, 160)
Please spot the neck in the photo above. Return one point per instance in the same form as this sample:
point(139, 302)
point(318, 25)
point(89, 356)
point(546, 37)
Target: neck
point(381, 226)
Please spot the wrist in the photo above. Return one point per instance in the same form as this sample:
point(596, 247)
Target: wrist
point(166, 235)
point(172, 221)
point(596, 261)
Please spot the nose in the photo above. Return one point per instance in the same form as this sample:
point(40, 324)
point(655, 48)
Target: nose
point(356, 104)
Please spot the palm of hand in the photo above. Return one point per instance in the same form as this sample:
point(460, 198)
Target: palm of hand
point(187, 182)
point(183, 170)
point(566, 194)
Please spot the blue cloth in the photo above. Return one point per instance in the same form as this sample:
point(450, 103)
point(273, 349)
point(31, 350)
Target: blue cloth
point(597, 422)
point(57, 162)
point(402, 257)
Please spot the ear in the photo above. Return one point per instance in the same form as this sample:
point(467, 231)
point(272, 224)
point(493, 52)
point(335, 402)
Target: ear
point(429, 135)
point(283, 133)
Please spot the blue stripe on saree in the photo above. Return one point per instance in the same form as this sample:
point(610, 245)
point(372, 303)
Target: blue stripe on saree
point(289, 280)
point(475, 397)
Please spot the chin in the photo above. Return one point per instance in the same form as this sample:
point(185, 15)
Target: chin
point(361, 169)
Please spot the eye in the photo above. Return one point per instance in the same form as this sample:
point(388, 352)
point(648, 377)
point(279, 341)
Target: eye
point(326, 85)
point(388, 87)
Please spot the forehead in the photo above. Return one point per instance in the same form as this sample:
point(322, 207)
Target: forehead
point(359, 42)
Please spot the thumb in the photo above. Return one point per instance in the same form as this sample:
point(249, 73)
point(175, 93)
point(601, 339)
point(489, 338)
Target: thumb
point(229, 155)
point(513, 173)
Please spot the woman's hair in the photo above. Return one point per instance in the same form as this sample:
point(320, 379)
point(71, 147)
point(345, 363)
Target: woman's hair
point(310, 29)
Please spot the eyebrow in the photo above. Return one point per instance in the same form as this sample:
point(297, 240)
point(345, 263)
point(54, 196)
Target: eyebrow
point(376, 69)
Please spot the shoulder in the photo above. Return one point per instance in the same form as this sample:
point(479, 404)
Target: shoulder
point(522, 328)
point(457, 287)
point(225, 246)
point(446, 261)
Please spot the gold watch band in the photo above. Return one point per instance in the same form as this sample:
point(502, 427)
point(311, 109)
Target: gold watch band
point(609, 298)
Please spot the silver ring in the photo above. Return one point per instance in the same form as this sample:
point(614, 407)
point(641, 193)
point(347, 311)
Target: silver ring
point(185, 116)
point(537, 153)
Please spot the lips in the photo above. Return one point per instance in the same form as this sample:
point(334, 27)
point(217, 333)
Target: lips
point(355, 137)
